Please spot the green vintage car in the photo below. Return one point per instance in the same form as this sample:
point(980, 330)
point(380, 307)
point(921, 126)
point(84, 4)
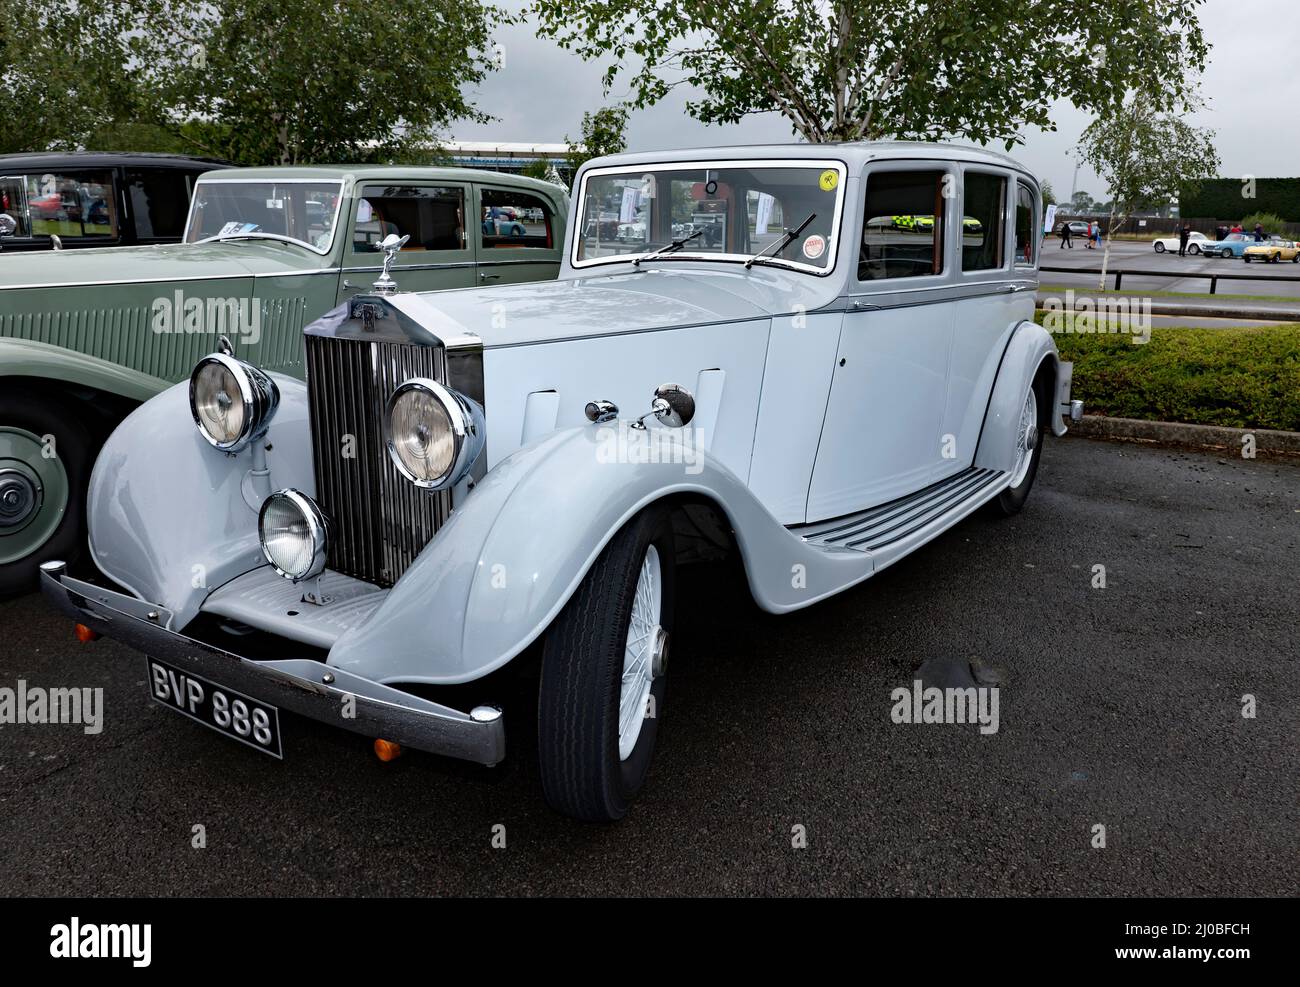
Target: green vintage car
point(85, 336)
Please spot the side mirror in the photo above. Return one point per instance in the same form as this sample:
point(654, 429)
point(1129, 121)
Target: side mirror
point(673, 405)
point(8, 225)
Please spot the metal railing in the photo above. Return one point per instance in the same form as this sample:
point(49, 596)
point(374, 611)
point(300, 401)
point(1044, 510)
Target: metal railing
point(1214, 279)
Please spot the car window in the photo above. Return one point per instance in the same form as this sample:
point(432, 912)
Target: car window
point(984, 199)
point(1027, 238)
point(242, 210)
point(160, 201)
point(432, 215)
point(72, 204)
point(902, 232)
point(515, 219)
point(729, 212)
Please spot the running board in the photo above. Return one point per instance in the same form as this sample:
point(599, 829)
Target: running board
point(878, 528)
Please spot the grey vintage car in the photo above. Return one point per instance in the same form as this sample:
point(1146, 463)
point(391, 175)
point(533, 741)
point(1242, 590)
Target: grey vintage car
point(87, 335)
point(472, 485)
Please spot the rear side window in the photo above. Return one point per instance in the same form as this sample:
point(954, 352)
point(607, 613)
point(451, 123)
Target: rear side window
point(902, 232)
point(1027, 238)
point(984, 204)
point(433, 217)
point(515, 219)
point(72, 204)
point(160, 201)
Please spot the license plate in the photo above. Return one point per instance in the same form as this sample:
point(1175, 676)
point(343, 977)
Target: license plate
point(249, 721)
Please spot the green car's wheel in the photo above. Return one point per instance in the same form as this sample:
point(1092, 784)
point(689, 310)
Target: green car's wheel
point(45, 460)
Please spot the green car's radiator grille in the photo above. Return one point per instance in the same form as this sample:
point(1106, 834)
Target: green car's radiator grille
point(379, 520)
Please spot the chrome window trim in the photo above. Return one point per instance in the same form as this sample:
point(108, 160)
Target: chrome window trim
point(338, 203)
point(811, 164)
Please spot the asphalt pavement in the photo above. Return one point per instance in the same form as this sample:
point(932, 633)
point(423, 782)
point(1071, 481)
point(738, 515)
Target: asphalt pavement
point(1137, 255)
point(1120, 707)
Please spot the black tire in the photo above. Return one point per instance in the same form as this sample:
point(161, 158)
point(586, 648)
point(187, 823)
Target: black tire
point(33, 410)
point(1010, 501)
point(582, 664)
point(1160, 247)
point(1193, 250)
point(1245, 259)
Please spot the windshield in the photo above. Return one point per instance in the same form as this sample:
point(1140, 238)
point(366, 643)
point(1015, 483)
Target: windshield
point(736, 209)
point(305, 212)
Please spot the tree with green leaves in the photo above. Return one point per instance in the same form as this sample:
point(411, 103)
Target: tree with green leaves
point(60, 72)
point(256, 81)
point(1146, 155)
point(1049, 196)
point(602, 134)
point(869, 69)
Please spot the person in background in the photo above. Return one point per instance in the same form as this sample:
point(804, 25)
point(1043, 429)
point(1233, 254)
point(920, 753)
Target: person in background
point(1065, 236)
point(1087, 236)
point(1184, 234)
point(1236, 228)
point(1220, 232)
point(1259, 232)
point(1096, 232)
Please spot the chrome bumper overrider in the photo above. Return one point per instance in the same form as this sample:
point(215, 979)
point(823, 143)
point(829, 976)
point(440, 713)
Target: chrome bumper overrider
point(304, 686)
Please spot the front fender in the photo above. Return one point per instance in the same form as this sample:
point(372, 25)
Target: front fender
point(511, 556)
point(28, 358)
point(1028, 348)
point(167, 515)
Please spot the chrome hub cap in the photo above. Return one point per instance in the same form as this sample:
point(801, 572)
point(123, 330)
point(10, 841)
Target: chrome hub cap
point(19, 496)
point(645, 655)
point(1026, 438)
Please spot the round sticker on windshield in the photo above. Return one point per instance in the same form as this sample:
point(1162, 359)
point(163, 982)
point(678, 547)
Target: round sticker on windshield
point(814, 246)
point(830, 178)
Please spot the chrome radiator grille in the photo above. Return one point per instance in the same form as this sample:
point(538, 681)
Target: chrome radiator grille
point(379, 520)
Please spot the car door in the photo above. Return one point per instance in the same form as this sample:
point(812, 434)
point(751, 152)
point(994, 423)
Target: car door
point(882, 438)
point(439, 253)
point(517, 235)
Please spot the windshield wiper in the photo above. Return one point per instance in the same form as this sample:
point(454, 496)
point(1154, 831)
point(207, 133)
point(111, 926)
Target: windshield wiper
point(670, 248)
point(273, 237)
point(782, 243)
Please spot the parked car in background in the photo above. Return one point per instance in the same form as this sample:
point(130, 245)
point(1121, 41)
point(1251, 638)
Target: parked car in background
point(78, 200)
point(1272, 250)
point(87, 335)
point(1234, 245)
point(1195, 241)
point(532, 463)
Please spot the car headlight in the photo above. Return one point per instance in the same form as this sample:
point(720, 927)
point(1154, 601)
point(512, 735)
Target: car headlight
point(433, 433)
point(232, 401)
point(292, 531)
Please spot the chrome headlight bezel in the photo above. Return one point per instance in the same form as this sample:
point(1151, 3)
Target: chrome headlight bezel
point(317, 531)
point(465, 420)
point(257, 391)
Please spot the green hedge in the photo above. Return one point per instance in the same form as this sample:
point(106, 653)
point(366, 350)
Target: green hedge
point(1243, 377)
point(1220, 198)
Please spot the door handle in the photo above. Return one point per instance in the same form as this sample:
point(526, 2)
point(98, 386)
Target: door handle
point(863, 307)
point(349, 286)
point(1019, 287)
point(489, 277)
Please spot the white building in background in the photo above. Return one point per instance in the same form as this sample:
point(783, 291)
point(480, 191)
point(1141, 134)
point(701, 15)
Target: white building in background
point(508, 156)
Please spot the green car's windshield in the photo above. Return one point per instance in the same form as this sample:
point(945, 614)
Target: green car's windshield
point(304, 212)
point(726, 210)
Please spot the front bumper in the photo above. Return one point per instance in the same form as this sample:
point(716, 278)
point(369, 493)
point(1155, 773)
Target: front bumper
point(304, 686)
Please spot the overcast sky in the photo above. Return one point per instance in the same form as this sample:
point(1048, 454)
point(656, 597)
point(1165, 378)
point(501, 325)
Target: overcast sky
point(1252, 85)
